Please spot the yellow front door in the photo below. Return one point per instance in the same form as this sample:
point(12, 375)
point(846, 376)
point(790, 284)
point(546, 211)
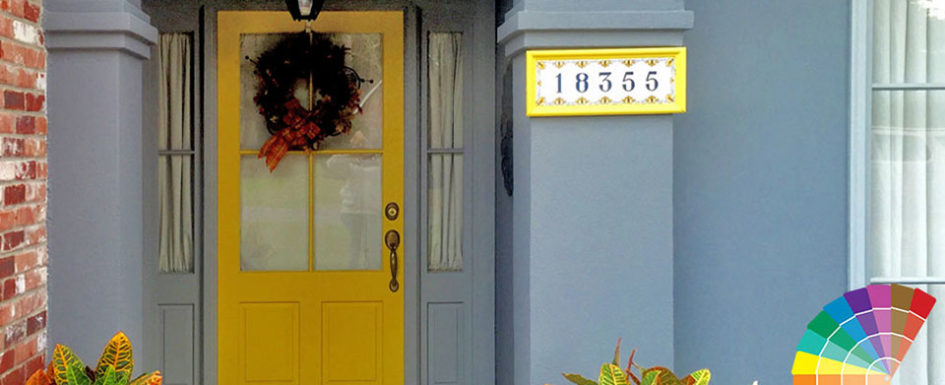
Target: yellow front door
point(306, 279)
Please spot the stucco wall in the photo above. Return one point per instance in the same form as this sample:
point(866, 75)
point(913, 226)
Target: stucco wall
point(760, 183)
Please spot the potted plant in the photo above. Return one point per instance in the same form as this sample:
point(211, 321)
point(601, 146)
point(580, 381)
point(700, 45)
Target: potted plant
point(612, 374)
point(114, 367)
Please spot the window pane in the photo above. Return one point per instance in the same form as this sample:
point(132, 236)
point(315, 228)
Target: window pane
point(175, 204)
point(253, 131)
point(348, 212)
point(907, 208)
point(175, 92)
point(445, 212)
point(364, 56)
point(908, 42)
point(446, 90)
point(274, 214)
point(175, 173)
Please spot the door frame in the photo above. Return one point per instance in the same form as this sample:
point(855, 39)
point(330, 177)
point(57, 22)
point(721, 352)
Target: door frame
point(411, 192)
point(420, 17)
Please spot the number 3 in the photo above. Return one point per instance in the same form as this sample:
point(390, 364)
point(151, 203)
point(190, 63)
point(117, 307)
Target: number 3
point(605, 84)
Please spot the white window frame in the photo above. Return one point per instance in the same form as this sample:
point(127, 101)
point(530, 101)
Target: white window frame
point(861, 88)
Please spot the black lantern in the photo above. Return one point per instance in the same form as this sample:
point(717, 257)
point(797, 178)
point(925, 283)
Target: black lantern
point(304, 9)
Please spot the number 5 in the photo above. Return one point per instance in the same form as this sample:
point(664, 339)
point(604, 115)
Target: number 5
point(628, 83)
point(651, 83)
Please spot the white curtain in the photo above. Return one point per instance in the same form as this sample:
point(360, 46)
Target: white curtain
point(445, 192)
point(175, 173)
point(908, 168)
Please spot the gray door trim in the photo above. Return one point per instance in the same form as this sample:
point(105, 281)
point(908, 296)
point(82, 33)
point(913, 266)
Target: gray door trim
point(477, 21)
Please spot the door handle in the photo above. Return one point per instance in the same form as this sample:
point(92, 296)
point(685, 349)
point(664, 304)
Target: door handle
point(392, 240)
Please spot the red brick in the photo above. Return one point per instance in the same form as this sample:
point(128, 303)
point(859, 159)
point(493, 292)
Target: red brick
point(9, 288)
point(26, 125)
point(14, 334)
point(29, 304)
point(36, 363)
point(7, 219)
point(35, 103)
point(14, 194)
point(11, 240)
point(6, 361)
point(31, 12)
point(7, 266)
point(36, 192)
point(26, 350)
point(15, 377)
point(36, 235)
point(36, 323)
point(35, 278)
point(13, 146)
point(7, 123)
point(6, 314)
point(40, 125)
point(13, 100)
point(6, 27)
point(27, 260)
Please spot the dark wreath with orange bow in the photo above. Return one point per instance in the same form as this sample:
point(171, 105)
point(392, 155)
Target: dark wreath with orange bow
point(336, 94)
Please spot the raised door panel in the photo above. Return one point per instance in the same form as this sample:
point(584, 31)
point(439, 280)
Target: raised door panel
point(177, 356)
point(353, 336)
point(269, 343)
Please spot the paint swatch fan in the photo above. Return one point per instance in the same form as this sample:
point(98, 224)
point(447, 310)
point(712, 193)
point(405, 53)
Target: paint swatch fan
point(862, 337)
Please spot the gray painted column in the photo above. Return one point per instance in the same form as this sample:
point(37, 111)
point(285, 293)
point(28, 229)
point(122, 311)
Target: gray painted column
point(592, 212)
point(96, 50)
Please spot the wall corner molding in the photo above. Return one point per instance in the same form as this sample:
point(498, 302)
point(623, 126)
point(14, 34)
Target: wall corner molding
point(99, 25)
point(526, 28)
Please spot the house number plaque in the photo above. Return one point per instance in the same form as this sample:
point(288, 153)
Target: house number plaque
point(606, 81)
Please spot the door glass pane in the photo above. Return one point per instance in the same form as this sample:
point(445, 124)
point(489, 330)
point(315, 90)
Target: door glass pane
point(445, 212)
point(348, 212)
point(253, 132)
point(365, 56)
point(274, 214)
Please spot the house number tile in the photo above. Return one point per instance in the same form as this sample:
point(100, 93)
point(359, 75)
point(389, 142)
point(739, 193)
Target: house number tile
point(606, 82)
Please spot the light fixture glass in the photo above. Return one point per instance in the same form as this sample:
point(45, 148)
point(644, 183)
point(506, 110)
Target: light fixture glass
point(305, 8)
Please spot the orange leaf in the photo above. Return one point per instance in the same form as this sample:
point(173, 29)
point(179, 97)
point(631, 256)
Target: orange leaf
point(39, 378)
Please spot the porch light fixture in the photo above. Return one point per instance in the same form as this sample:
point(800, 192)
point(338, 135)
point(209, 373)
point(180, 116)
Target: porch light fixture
point(304, 9)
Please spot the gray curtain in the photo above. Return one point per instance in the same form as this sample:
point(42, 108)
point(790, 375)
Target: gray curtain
point(175, 169)
point(445, 192)
point(908, 168)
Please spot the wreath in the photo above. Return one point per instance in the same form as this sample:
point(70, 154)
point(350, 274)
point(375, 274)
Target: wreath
point(336, 94)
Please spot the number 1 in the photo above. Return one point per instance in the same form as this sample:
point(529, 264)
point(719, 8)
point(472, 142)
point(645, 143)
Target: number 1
point(559, 83)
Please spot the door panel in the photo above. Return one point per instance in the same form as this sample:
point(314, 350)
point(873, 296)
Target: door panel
point(304, 273)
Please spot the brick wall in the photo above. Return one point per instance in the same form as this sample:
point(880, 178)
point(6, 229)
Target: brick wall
point(23, 175)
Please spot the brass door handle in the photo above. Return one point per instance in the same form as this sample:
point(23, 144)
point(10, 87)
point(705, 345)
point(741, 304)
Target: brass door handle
point(392, 240)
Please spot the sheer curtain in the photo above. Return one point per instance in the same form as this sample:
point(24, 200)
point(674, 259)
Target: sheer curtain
point(445, 192)
point(175, 173)
point(908, 167)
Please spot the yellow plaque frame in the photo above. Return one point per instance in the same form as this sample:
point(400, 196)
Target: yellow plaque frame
point(678, 54)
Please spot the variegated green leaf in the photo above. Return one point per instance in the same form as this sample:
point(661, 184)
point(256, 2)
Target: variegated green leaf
point(65, 366)
point(611, 374)
point(111, 377)
point(699, 377)
point(76, 376)
point(117, 354)
point(578, 379)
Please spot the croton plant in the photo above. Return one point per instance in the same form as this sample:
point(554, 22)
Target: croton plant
point(612, 374)
point(114, 367)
